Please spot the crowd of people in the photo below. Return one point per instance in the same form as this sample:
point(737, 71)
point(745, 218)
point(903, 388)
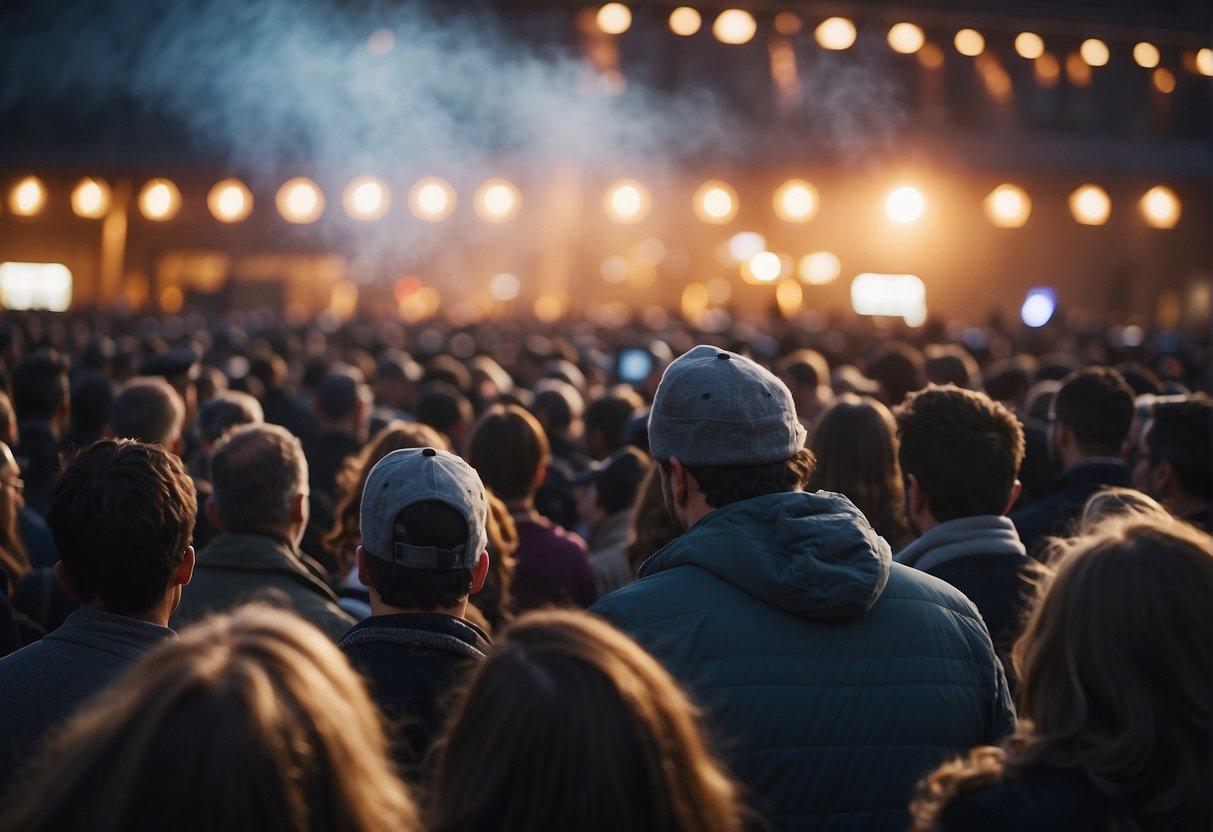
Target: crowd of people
point(268, 573)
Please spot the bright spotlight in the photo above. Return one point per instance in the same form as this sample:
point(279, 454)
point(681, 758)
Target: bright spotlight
point(685, 21)
point(796, 201)
point(745, 245)
point(906, 38)
point(1160, 207)
point(904, 205)
point(715, 202)
point(35, 286)
point(891, 295)
point(159, 200)
point(969, 42)
point(300, 201)
point(820, 268)
point(1146, 54)
point(1039, 306)
point(1008, 206)
point(505, 287)
point(1204, 62)
point(766, 266)
point(497, 200)
point(627, 201)
point(229, 201)
point(734, 26)
point(835, 33)
point(91, 198)
point(28, 197)
point(1090, 205)
point(366, 198)
point(1094, 51)
point(432, 199)
point(1029, 45)
point(614, 18)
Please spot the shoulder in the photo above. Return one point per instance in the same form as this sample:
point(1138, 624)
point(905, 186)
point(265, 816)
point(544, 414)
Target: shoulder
point(1040, 799)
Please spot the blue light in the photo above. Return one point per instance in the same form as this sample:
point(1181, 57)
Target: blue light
point(1038, 307)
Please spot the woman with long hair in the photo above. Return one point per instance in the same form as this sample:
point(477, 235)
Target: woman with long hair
point(855, 442)
point(569, 724)
point(251, 721)
point(1115, 687)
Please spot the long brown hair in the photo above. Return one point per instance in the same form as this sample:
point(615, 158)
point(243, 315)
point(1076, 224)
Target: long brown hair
point(1116, 669)
point(14, 560)
point(252, 721)
point(570, 725)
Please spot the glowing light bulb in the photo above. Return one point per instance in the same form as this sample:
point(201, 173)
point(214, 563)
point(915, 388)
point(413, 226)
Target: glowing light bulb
point(685, 21)
point(497, 200)
point(796, 201)
point(745, 245)
point(300, 201)
point(1204, 62)
point(906, 38)
point(969, 42)
point(1146, 54)
point(1008, 206)
point(229, 201)
point(766, 266)
point(904, 205)
point(366, 198)
point(820, 268)
point(734, 26)
point(835, 33)
point(614, 18)
point(1038, 307)
point(1090, 205)
point(432, 199)
point(1094, 51)
point(159, 200)
point(1029, 45)
point(715, 202)
point(28, 197)
point(627, 201)
point(91, 198)
point(1160, 207)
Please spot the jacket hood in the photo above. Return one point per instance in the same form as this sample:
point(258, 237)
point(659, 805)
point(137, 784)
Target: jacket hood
point(809, 554)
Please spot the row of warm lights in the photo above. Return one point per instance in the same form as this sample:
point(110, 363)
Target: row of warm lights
point(736, 26)
point(627, 201)
point(299, 201)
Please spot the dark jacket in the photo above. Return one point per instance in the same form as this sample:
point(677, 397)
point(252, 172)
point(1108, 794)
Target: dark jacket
point(413, 661)
point(833, 679)
point(1053, 514)
point(236, 568)
point(553, 566)
point(38, 455)
point(1042, 800)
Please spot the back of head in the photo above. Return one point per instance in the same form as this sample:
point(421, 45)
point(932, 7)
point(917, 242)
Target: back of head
point(951, 364)
point(92, 402)
point(228, 409)
point(1009, 380)
point(1097, 405)
point(804, 368)
point(1117, 503)
point(964, 448)
point(150, 410)
point(507, 446)
point(122, 515)
point(341, 392)
point(441, 406)
point(257, 471)
point(607, 417)
point(253, 721)
point(40, 385)
point(1182, 433)
point(557, 404)
point(899, 368)
point(570, 725)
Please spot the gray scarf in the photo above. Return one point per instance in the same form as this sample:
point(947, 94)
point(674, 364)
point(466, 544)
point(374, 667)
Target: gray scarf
point(986, 534)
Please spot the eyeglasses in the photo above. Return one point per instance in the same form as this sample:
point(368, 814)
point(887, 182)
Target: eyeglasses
point(17, 485)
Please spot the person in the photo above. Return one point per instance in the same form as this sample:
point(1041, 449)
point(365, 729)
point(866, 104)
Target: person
point(260, 505)
point(510, 451)
point(807, 375)
point(252, 721)
point(570, 725)
point(855, 443)
point(424, 518)
point(1117, 502)
point(42, 400)
point(121, 514)
point(605, 494)
point(832, 677)
point(149, 409)
point(650, 526)
point(960, 453)
point(1088, 423)
point(606, 420)
point(1115, 668)
point(1173, 461)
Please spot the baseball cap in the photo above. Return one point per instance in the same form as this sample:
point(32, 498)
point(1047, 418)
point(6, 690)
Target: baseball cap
point(617, 477)
point(418, 475)
point(715, 407)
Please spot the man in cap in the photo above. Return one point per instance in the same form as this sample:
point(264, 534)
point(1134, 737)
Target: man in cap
point(833, 678)
point(424, 522)
point(605, 493)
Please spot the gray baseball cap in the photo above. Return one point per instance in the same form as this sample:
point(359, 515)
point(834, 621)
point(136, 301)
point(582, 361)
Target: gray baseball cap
point(417, 475)
point(715, 407)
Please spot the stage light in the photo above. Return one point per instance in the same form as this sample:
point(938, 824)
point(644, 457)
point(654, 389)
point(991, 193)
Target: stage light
point(366, 198)
point(159, 200)
point(300, 201)
point(835, 33)
point(1164, 80)
point(969, 42)
point(1038, 307)
point(820, 268)
point(685, 21)
point(766, 266)
point(1008, 206)
point(35, 286)
point(789, 297)
point(1146, 54)
point(796, 201)
point(229, 201)
point(27, 197)
point(627, 201)
point(91, 198)
point(1090, 205)
point(1094, 51)
point(432, 199)
point(891, 295)
point(505, 287)
point(497, 200)
point(1047, 70)
point(1204, 62)
point(1029, 45)
point(906, 38)
point(715, 202)
point(614, 18)
point(734, 26)
point(904, 205)
point(745, 244)
point(788, 24)
point(1160, 207)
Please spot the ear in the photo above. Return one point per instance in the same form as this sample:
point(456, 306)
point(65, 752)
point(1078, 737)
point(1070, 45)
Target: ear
point(681, 481)
point(1015, 489)
point(917, 495)
point(1162, 477)
point(212, 512)
point(479, 572)
point(364, 571)
point(185, 572)
point(1063, 435)
point(299, 508)
point(541, 473)
point(65, 580)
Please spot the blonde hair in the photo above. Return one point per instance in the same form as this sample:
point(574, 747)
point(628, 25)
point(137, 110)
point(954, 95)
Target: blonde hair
point(252, 721)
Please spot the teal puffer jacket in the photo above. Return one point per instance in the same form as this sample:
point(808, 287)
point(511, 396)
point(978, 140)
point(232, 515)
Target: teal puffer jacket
point(832, 679)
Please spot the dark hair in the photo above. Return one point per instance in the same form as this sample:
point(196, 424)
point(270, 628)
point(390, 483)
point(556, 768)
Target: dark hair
point(40, 385)
point(1009, 380)
point(807, 368)
point(652, 527)
point(92, 402)
point(122, 514)
point(340, 392)
point(608, 415)
point(428, 523)
point(443, 407)
point(1097, 406)
point(951, 364)
point(964, 448)
point(150, 410)
point(256, 472)
point(553, 404)
point(506, 446)
point(225, 410)
point(898, 367)
point(1182, 434)
point(722, 485)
